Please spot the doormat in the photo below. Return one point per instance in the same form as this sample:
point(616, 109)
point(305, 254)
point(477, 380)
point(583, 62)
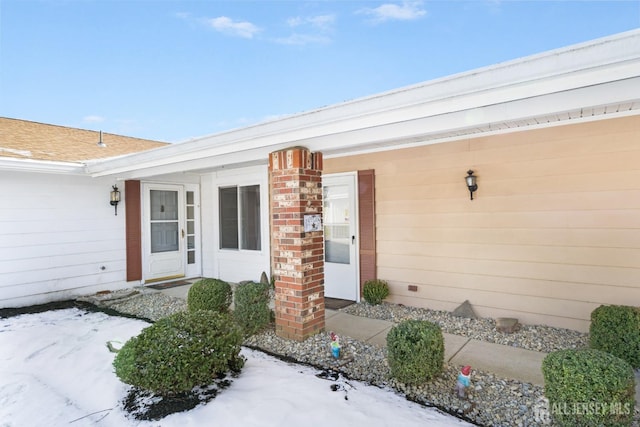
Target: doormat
point(336, 304)
point(168, 285)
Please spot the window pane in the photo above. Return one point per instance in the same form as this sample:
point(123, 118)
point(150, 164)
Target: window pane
point(191, 257)
point(250, 218)
point(191, 227)
point(228, 218)
point(336, 219)
point(190, 212)
point(190, 197)
point(164, 205)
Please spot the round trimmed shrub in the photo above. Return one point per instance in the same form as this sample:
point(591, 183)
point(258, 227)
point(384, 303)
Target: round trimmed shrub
point(616, 330)
point(210, 294)
point(375, 291)
point(589, 387)
point(415, 351)
point(180, 352)
point(252, 310)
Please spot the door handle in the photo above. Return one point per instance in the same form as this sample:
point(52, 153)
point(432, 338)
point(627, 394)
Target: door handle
point(183, 233)
point(353, 240)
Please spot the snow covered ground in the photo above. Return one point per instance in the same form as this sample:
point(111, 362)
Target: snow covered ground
point(56, 370)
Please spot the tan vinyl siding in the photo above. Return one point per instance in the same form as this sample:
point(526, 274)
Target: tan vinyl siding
point(552, 233)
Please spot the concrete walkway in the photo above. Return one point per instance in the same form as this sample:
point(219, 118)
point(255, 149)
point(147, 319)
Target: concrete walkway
point(502, 360)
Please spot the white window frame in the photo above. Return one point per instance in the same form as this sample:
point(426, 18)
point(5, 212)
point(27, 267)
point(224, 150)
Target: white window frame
point(239, 214)
point(238, 264)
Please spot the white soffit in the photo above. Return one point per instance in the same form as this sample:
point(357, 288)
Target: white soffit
point(595, 79)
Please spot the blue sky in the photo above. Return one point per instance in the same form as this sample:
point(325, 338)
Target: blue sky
point(174, 70)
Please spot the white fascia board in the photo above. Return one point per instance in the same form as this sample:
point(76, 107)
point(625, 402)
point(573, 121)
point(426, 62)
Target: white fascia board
point(410, 123)
point(521, 101)
point(601, 53)
point(395, 144)
point(412, 131)
point(204, 165)
point(588, 64)
point(41, 166)
point(611, 58)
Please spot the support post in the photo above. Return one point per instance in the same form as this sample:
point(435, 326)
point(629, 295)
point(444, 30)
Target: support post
point(297, 255)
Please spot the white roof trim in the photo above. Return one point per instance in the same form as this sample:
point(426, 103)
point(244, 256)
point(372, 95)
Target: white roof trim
point(471, 133)
point(41, 166)
point(601, 73)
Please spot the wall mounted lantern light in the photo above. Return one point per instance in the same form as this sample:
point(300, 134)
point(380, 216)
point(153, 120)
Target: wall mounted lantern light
point(471, 182)
point(115, 198)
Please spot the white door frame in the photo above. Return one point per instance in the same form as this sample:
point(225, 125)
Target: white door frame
point(350, 273)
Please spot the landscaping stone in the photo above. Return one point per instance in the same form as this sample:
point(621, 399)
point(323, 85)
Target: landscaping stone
point(507, 325)
point(264, 279)
point(465, 310)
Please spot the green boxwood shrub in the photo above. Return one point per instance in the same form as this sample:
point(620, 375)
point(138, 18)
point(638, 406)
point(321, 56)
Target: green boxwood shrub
point(210, 294)
point(415, 351)
point(616, 330)
point(252, 310)
point(375, 291)
point(181, 351)
point(589, 387)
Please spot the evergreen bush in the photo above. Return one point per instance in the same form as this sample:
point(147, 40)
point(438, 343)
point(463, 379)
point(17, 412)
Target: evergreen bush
point(616, 330)
point(181, 351)
point(210, 294)
point(415, 351)
point(375, 291)
point(589, 387)
point(252, 310)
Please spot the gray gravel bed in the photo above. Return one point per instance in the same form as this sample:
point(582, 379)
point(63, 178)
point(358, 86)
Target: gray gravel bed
point(491, 401)
point(531, 337)
point(140, 302)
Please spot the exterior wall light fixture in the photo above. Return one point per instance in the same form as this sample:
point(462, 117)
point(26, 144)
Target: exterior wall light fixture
point(115, 198)
point(471, 182)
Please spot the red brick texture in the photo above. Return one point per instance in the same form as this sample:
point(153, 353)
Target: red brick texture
point(297, 256)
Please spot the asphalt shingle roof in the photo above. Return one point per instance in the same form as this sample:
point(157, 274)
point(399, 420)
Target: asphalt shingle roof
point(38, 141)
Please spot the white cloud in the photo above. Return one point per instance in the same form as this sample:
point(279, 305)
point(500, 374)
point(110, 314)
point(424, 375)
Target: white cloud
point(295, 22)
point(93, 119)
point(310, 29)
point(407, 11)
point(230, 27)
point(320, 22)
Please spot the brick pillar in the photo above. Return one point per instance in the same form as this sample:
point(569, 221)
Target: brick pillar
point(297, 256)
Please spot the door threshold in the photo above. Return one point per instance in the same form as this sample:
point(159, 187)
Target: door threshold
point(171, 284)
point(336, 303)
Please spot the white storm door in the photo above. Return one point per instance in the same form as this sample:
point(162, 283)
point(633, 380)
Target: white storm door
point(340, 239)
point(164, 236)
